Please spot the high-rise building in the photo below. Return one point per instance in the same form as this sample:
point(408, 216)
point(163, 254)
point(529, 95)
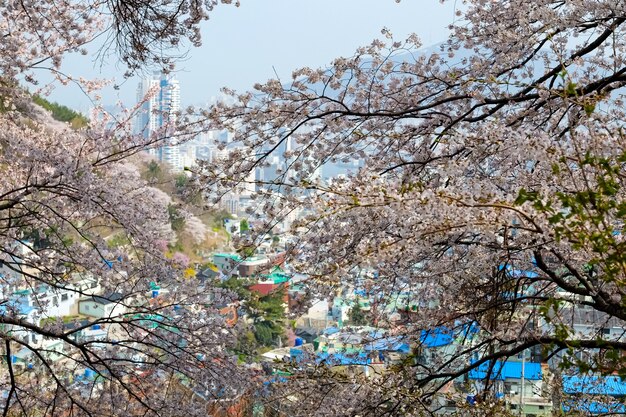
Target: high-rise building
point(160, 98)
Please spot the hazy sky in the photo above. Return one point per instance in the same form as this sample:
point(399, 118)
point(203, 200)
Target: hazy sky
point(245, 45)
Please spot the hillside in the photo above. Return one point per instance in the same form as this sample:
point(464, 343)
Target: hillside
point(194, 232)
point(197, 231)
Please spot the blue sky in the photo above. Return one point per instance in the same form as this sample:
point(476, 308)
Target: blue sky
point(247, 44)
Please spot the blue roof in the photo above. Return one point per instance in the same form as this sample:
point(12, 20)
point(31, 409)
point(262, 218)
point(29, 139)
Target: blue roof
point(275, 380)
point(402, 347)
point(392, 344)
point(439, 336)
point(295, 351)
point(331, 330)
point(500, 371)
point(598, 385)
point(443, 336)
point(594, 407)
point(19, 304)
point(470, 329)
point(296, 354)
point(375, 334)
point(341, 359)
point(517, 273)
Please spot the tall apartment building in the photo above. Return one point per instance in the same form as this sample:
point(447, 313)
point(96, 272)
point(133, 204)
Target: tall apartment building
point(156, 111)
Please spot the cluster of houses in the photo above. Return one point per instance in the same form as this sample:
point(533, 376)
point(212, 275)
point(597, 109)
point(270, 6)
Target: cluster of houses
point(525, 384)
point(78, 307)
point(327, 334)
point(76, 304)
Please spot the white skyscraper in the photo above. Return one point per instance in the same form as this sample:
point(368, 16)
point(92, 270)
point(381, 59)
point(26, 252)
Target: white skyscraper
point(158, 110)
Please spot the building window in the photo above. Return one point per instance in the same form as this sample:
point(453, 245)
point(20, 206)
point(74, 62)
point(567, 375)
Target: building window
point(64, 297)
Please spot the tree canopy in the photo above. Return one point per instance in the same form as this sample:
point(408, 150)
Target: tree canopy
point(490, 190)
point(79, 228)
point(265, 311)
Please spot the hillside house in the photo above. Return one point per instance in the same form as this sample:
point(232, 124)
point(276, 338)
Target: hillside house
point(521, 384)
point(102, 306)
point(594, 394)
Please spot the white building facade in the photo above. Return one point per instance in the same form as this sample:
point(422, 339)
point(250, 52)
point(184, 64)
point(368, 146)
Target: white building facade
point(159, 96)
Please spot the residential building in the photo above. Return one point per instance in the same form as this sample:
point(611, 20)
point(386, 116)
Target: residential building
point(594, 394)
point(159, 98)
point(231, 263)
point(104, 306)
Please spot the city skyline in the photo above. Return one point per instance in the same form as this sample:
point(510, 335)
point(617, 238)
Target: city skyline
point(160, 98)
point(239, 49)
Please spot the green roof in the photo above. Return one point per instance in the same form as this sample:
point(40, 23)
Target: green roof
point(153, 321)
point(281, 373)
point(232, 256)
point(277, 276)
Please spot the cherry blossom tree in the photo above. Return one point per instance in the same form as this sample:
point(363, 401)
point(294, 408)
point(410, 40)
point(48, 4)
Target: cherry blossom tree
point(80, 227)
point(490, 189)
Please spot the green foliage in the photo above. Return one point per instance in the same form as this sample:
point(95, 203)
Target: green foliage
point(182, 187)
point(217, 221)
point(243, 225)
point(40, 239)
point(62, 113)
point(587, 215)
point(357, 316)
point(181, 181)
point(271, 307)
point(237, 286)
point(155, 171)
point(118, 240)
point(264, 333)
point(570, 89)
point(572, 212)
point(267, 312)
point(176, 247)
point(246, 251)
point(177, 221)
point(589, 108)
point(246, 345)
